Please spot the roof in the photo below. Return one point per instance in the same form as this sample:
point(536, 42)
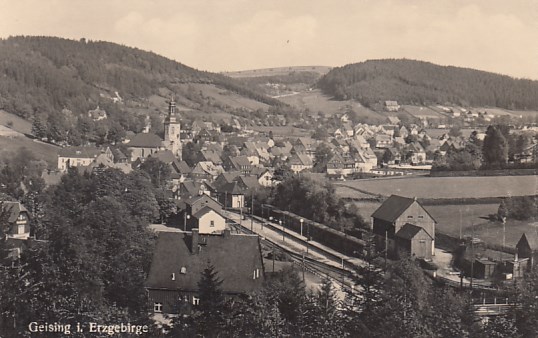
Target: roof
point(194, 199)
point(240, 161)
point(14, 209)
point(531, 240)
point(145, 140)
point(250, 182)
point(231, 188)
point(165, 156)
point(234, 257)
point(191, 187)
point(301, 159)
point(392, 208)
point(181, 167)
point(206, 210)
point(409, 231)
point(80, 152)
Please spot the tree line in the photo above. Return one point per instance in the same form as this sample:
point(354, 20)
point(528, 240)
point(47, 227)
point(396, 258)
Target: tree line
point(399, 302)
point(46, 74)
point(500, 149)
point(424, 83)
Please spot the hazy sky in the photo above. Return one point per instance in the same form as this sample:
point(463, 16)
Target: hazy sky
point(225, 35)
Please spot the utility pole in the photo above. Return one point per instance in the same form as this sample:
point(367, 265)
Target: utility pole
point(186, 217)
point(273, 259)
point(386, 247)
point(283, 230)
point(252, 213)
point(303, 266)
point(472, 254)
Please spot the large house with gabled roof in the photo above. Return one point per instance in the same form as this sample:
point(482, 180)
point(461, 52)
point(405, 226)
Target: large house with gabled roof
point(180, 258)
point(397, 221)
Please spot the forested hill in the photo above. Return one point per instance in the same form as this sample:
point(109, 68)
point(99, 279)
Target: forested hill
point(421, 83)
point(45, 74)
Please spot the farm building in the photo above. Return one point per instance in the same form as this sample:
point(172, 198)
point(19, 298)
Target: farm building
point(403, 224)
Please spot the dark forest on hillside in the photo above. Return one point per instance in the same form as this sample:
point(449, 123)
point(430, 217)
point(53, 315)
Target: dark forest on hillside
point(46, 74)
point(422, 83)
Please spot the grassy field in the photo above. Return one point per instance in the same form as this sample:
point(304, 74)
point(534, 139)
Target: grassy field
point(316, 101)
point(18, 124)
point(43, 151)
point(449, 187)
point(473, 222)
point(421, 112)
point(277, 71)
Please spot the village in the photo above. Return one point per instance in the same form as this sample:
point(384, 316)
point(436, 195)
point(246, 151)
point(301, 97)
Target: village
point(212, 214)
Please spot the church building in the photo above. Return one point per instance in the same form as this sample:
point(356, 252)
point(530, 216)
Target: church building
point(145, 144)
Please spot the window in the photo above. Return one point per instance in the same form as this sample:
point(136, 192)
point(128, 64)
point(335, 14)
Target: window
point(422, 241)
point(173, 276)
point(157, 307)
point(186, 298)
point(420, 216)
point(410, 216)
point(212, 223)
point(256, 274)
point(195, 301)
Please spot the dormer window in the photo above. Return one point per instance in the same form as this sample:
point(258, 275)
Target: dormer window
point(183, 270)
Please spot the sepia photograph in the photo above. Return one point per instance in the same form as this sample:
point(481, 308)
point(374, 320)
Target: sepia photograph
point(242, 168)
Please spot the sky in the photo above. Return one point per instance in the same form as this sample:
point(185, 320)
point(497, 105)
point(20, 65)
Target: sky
point(228, 35)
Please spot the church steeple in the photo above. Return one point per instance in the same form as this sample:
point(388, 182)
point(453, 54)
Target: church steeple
point(172, 130)
point(171, 118)
point(172, 107)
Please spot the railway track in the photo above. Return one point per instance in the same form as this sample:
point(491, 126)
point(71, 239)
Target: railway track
point(338, 275)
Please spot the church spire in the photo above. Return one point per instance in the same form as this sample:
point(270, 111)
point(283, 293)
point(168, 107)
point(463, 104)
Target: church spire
point(172, 107)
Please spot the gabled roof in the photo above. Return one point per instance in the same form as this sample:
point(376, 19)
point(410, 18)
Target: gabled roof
point(259, 172)
point(192, 188)
point(181, 167)
point(206, 210)
point(248, 182)
point(301, 159)
point(234, 257)
point(165, 156)
point(231, 188)
point(14, 209)
point(211, 155)
point(393, 207)
point(227, 177)
point(118, 155)
point(409, 231)
point(531, 240)
point(145, 140)
point(240, 161)
point(194, 199)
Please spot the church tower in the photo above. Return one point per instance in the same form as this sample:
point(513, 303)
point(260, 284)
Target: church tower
point(172, 131)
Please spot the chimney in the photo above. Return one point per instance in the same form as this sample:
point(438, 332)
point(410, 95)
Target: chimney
point(227, 233)
point(194, 241)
